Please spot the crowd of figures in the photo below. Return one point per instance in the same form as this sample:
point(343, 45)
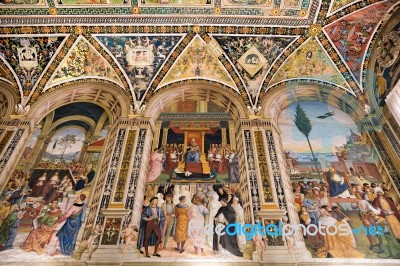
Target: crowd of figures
point(44, 227)
point(175, 212)
point(333, 202)
point(45, 201)
point(222, 159)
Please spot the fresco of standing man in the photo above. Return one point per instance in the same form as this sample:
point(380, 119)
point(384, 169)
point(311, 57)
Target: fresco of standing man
point(151, 226)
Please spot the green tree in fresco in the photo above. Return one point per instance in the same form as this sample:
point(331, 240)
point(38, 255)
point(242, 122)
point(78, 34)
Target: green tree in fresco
point(303, 123)
point(66, 142)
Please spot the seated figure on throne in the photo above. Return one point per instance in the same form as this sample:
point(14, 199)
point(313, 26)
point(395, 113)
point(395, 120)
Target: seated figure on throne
point(338, 186)
point(193, 153)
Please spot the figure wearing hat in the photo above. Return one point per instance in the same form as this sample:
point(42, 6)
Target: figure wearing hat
point(151, 227)
point(388, 211)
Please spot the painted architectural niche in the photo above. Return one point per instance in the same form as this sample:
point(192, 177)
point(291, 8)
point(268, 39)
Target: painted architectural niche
point(193, 165)
point(336, 181)
point(50, 184)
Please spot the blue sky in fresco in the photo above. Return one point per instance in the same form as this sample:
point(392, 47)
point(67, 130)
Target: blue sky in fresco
point(325, 134)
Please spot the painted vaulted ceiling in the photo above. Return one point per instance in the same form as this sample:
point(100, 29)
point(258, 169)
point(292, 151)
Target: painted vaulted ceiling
point(248, 46)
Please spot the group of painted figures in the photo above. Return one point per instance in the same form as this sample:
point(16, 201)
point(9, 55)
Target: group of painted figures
point(332, 202)
point(181, 215)
point(46, 203)
point(166, 159)
point(44, 227)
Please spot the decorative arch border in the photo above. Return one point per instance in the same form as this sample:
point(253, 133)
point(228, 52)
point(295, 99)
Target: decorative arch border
point(206, 89)
point(282, 95)
point(12, 98)
point(114, 101)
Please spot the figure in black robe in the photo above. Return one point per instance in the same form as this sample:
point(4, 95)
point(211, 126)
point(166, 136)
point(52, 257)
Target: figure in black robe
point(228, 242)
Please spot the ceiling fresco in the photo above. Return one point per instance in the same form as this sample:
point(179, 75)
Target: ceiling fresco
point(253, 56)
point(84, 61)
point(28, 57)
point(198, 62)
point(247, 46)
point(310, 61)
point(337, 5)
point(351, 34)
point(140, 57)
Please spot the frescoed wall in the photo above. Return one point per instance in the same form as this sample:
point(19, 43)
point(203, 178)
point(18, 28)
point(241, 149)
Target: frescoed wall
point(189, 155)
point(41, 190)
point(335, 180)
point(179, 203)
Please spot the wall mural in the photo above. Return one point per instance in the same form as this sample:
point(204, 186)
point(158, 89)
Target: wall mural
point(335, 180)
point(180, 208)
point(29, 56)
point(29, 151)
point(84, 61)
point(309, 61)
point(351, 35)
point(140, 56)
point(198, 61)
point(253, 56)
point(64, 146)
point(48, 198)
point(205, 156)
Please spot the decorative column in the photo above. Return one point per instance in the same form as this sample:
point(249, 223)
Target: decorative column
point(385, 165)
point(82, 155)
point(122, 196)
point(156, 138)
point(283, 196)
point(232, 139)
point(269, 188)
point(223, 133)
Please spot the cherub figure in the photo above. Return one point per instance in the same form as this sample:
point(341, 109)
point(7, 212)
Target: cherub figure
point(129, 234)
point(96, 232)
point(260, 244)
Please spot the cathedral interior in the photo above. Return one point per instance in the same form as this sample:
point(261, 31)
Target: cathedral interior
point(122, 122)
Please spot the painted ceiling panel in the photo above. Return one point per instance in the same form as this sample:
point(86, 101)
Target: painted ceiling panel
point(310, 61)
point(336, 5)
point(29, 56)
point(352, 34)
point(198, 61)
point(140, 56)
point(253, 56)
point(84, 61)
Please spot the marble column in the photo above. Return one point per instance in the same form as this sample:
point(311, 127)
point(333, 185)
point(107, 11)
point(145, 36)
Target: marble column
point(123, 187)
point(269, 188)
point(106, 207)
